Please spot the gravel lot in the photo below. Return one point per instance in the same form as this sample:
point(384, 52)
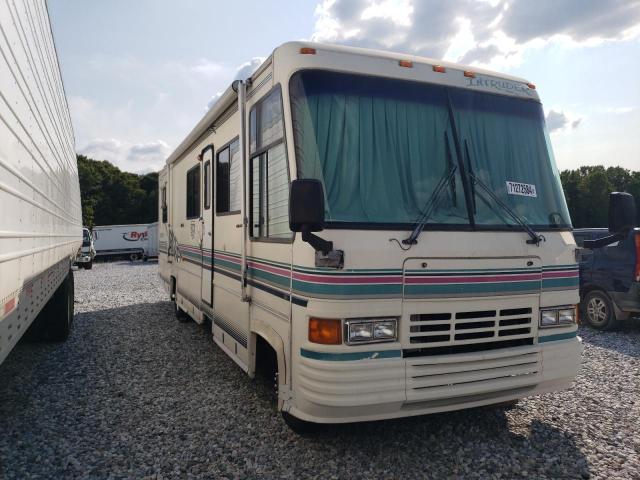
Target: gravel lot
point(135, 394)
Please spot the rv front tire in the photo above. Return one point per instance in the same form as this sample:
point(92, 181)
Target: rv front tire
point(301, 427)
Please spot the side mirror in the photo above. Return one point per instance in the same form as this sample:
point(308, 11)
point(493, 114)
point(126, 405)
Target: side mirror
point(622, 212)
point(306, 213)
point(306, 206)
point(622, 218)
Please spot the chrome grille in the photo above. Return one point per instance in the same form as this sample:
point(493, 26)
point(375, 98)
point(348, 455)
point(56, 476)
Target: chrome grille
point(470, 330)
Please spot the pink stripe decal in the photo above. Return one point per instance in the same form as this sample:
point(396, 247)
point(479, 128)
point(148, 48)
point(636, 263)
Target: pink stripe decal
point(565, 274)
point(482, 279)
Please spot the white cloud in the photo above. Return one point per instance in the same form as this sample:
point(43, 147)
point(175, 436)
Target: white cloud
point(492, 33)
point(246, 69)
point(207, 68)
point(558, 120)
point(619, 110)
point(132, 157)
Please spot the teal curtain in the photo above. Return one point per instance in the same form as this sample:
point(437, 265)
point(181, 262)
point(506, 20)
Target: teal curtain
point(507, 142)
point(378, 146)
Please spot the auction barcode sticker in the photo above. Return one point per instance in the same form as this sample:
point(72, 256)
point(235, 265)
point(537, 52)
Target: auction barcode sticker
point(524, 189)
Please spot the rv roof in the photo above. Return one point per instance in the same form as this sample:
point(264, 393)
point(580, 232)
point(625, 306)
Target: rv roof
point(399, 56)
point(229, 95)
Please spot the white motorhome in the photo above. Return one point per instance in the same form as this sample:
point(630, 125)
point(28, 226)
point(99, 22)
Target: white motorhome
point(41, 228)
point(120, 240)
point(445, 276)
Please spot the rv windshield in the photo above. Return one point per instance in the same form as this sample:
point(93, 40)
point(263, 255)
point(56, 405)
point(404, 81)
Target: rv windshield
point(380, 147)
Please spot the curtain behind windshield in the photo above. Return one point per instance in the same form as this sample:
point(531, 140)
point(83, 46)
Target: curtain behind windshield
point(507, 142)
point(378, 146)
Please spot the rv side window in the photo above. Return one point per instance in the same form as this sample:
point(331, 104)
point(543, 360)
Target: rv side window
point(228, 179)
point(193, 192)
point(207, 193)
point(163, 204)
point(268, 169)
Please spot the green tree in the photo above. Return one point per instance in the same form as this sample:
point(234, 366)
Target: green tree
point(587, 192)
point(111, 196)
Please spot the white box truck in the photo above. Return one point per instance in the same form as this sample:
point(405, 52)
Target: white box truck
point(117, 241)
point(151, 249)
point(41, 228)
point(86, 254)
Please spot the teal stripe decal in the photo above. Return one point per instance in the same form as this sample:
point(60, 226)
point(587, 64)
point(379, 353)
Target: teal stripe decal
point(351, 355)
point(558, 336)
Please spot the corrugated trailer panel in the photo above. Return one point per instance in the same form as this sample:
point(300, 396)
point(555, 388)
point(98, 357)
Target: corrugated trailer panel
point(39, 190)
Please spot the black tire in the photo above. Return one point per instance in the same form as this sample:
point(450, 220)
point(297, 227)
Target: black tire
point(133, 257)
point(597, 310)
point(145, 259)
point(180, 314)
point(301, 427)
point(54, 322)
point(88, 265)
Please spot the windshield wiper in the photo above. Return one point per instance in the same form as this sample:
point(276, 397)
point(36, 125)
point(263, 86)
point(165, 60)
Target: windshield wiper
point(535, 237)
point(434, 199)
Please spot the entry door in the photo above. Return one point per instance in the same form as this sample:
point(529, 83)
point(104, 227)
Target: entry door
point(207, 226)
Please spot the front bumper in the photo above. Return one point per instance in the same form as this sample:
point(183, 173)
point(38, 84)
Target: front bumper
point(84, 258)
point(382, 386)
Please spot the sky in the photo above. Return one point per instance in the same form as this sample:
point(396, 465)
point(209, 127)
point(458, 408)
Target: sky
point(140, 74)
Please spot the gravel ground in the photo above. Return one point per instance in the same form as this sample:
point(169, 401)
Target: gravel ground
point(135, 394)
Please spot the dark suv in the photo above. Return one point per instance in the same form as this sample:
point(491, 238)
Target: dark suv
point(609, 278)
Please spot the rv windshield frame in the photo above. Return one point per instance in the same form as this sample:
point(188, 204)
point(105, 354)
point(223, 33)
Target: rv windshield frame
point(497, 225)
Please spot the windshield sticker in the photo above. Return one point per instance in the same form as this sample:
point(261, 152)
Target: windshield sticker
point(523, 189)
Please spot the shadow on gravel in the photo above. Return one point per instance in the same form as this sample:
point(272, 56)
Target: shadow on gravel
point(134, 393)
point(625, 339)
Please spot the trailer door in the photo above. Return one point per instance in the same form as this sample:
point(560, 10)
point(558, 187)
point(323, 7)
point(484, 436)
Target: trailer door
point(207, 226)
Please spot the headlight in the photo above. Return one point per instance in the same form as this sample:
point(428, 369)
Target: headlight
point(360, 331)
point(560, 316)
point(548, 318)
point(567, 316)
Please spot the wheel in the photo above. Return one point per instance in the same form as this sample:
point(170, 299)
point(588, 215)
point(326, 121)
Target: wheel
point(133, 257)
point(598, 310)
point(53, 323)
point(145, 259)
point(88, 265)
point(180, 314)
point(301, 427)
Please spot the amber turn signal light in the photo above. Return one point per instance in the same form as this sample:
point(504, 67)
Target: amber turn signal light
point(327, 331)
point(308, 51)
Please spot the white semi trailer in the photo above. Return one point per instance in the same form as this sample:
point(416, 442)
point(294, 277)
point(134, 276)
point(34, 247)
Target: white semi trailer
point(41, 224)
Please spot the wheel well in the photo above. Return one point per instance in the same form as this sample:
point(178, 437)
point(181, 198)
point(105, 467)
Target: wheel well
point(266, 358)
point(587, 289)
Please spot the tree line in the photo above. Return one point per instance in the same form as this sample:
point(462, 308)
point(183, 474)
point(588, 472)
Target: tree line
point(111, 196)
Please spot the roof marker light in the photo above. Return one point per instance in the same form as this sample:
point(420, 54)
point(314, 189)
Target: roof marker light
point(406, 63)
point(531, 86)
point(308, 51)
point(439, 69)
point(469, 74)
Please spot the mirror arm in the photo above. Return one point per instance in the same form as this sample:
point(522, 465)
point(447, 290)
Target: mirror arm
point(604, 241)
point(319, 244)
